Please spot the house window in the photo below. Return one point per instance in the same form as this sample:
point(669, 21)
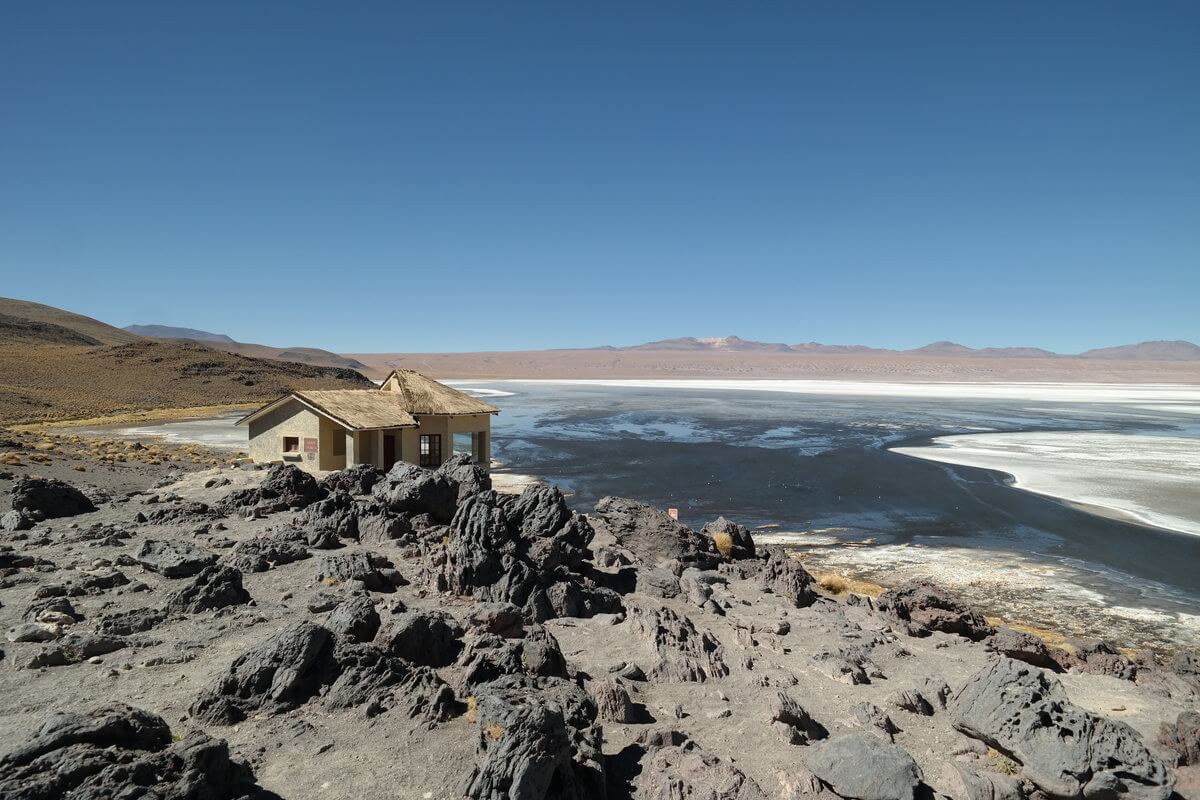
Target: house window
point(431, 450)
point(291, 444)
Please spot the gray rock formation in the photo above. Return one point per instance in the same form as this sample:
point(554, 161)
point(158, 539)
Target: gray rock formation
point(47, 498)
point(354, 620)
point(370, 570)
point(652, 535)
point(429, 638)
point(865, 767)
point(527, 551)
point(923, 607)
point(284, 487)
point(409, 489)
point(127, 623)
point(537, 741)
point(730, 539)
point(277, 675)
point(1183, 737)
point(488, 657)
point(962, 782)
point(173, 559)
point(1065, 751)
point(795, 724)
point(685, 654)
point(468, 477)
point(787, 577)
point(215, 587)
point(1023, 647)
point(613, 703)
point(355, 480)
point(120, 751)
point(264, 552)
point(674, 766)
point(368, 676)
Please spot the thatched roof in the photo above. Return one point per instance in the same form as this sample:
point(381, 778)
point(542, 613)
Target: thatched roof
point(421, 395)
point(403, 396)
point(353, 409)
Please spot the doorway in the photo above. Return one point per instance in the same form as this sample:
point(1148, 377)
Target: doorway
point(389, 450)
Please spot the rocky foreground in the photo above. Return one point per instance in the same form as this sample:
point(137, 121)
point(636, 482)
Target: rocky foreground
point(255, 633)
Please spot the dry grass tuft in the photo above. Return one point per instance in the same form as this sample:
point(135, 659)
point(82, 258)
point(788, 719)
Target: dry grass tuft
point(841, 584)
point(724, 543)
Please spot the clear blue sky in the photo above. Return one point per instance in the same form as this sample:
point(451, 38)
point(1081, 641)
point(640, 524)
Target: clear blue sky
point(450, 176)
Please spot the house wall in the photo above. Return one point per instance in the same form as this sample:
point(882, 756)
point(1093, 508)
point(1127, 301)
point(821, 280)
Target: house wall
point(446, 426)
point(332, 444)
point(266, 434)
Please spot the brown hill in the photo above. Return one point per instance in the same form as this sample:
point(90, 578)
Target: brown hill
point(1177, 350)
point(93, 329)
point(59, 365)
point(303, 355)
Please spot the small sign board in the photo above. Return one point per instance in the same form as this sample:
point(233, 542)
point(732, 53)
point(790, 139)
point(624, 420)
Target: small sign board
point(310, 445)
point(673, 512)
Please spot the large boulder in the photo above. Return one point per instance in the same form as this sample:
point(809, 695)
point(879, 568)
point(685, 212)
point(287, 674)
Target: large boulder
point(469, 478)
point(1024, 647)
point(359, 479)
point(327, 521)
point(409, 489)
point(173, 559)
point(488, 657)
point(537, 740)
point(527, 551)
point(924, 607)
point(366, 569)
point(120, 751)
point(730, 539)
point(265, 552)
point(365, 675)
point(787, 577)
point(277, 675)
point(354, 620)
point(429, 638)
point(1065, 751)
point(864, 767)
point(685, 654)
point(652, 535)
point(215, 587)
point(285, 486)
point(47, 498)
point(673, 766)
point(1183, 738)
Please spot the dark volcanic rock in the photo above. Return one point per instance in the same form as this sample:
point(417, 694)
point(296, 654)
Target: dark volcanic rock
point(1183, 737)
point(367, 675)
point(1065, 751)
point(924, 607)
point(674, 766)
point(409, 489)
point(47, 498)
point(327, 521)
point(865, 767)
point(173, 559)
point(356, 480)
point(118, 751)
point(502, 619)
point(684, 653)
point(537, 741)
point(798, 724)
point(127, 623)
point(215, 587)
point(787, 577)
point(264, 552)
point(470, 478)
point(185, 513)
point(430, 638)
point(525, 550)
point(652, 535)
point(76, 647)
point(285, 486)
point(1098, 657)
point(730, 539)
point(277, 675)
point(488, 657)
point(1023, 647)
point(354, 620)
point(372, 570)
point(16, 521)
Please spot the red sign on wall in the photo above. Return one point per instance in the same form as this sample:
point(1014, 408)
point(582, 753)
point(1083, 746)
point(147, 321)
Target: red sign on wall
point(310, 445)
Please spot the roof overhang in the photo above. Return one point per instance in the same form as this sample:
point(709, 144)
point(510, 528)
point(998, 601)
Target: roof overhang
point(316, 409)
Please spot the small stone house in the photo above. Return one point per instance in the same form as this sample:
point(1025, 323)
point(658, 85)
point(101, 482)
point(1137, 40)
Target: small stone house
point(408, 418)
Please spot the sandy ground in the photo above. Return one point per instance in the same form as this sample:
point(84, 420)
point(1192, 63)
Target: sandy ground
point(312, 752)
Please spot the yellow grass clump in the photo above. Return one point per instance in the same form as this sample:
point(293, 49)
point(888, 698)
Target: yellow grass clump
point(723, 542)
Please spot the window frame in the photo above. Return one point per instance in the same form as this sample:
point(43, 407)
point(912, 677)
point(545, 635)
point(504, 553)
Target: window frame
point(291, 451)
point(426, 450)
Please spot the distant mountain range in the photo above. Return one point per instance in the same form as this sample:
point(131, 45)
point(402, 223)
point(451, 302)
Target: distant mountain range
point(1144, 351)
point(303, 355)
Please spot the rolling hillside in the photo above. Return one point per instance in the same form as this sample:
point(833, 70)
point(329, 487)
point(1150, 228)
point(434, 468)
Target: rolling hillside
point(58, 365)
point(303, 355)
